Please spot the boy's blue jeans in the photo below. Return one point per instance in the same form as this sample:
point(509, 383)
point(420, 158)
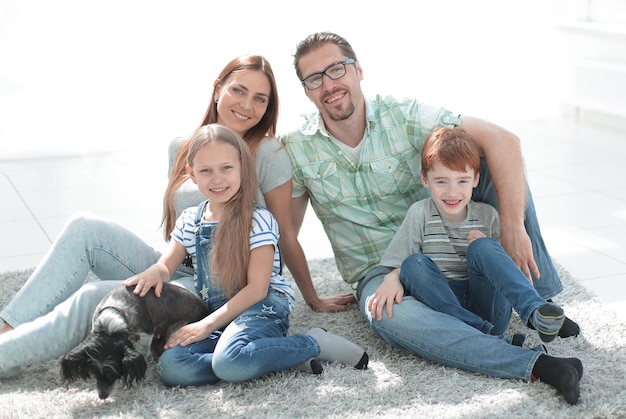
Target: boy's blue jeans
point(484, 301)
point(549, 284)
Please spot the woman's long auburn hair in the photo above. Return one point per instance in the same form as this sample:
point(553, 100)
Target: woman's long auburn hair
point(230, 251)
point(266, 127)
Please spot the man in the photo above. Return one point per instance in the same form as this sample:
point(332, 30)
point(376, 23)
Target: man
point(358, 161)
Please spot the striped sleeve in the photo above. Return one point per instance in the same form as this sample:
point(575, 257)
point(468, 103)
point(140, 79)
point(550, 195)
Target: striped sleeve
point(183, 231)
point(264, 229)
point(265, 232)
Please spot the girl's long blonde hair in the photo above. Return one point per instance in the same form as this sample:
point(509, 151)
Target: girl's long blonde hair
point(266, 127)
point(230, 252)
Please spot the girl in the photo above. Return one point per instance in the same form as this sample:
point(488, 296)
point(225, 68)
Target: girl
point(238, 277)
point(56, 301)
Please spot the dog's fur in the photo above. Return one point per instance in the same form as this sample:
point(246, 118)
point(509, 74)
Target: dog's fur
point(125, 329)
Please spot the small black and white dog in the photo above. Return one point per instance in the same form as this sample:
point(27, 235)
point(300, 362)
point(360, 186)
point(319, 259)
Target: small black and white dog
point(125, 329)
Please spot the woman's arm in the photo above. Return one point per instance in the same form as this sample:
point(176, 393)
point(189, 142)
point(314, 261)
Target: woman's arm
point(279, 203)
point(259, 274)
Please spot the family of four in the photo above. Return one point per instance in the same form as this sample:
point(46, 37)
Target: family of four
point(407, 194)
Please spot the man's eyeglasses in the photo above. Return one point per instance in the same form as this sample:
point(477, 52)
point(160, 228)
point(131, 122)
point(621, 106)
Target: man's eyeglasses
point(334, 71)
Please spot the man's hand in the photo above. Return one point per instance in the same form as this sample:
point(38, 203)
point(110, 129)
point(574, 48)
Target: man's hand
point(517, 245)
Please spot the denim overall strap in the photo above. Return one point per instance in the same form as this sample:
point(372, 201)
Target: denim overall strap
point(212, 294)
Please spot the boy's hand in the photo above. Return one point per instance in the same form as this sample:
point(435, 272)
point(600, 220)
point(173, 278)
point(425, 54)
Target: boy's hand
point(473, 235)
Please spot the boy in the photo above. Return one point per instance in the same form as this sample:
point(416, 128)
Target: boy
point(446, 252)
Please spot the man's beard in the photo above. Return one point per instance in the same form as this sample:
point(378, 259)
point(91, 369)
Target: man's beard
point(342, 115)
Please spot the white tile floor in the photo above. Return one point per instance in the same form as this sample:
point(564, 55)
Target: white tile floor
point(575, 172)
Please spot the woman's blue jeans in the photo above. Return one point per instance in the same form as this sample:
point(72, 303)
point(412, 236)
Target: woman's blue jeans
point(52, 312)
point(484, 301)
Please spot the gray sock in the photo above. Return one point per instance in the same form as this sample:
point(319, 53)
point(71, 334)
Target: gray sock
point(547, 321)
point(335, 348)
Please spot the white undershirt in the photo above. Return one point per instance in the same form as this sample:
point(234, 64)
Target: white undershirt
point(352, 153)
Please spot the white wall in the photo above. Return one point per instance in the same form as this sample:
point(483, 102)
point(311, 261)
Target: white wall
point(593, 33)
point(79, 76)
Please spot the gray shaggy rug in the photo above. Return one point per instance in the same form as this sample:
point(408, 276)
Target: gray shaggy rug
point(397, 383)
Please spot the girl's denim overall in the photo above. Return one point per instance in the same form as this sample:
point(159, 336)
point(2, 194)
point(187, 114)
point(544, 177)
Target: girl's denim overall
point(252, 345)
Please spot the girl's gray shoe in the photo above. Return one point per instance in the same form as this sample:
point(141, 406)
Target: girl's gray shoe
point(335, 348)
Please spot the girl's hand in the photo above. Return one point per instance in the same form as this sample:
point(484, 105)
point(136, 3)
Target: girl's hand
point(390, 291)
point(193, 332)
point(333, 304)
point(153, 277)
point(473, 235)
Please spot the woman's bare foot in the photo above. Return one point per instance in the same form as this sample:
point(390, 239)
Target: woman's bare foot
point(6, 327)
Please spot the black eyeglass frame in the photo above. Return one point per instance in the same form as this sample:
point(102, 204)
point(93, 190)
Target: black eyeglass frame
point(324, 73)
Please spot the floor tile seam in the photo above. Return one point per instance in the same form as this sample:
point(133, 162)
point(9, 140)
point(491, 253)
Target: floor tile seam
point(579, 188)
point(553, 228)
point(22, 255)
point(601, 277)
point(30, 211)
point(591, 249)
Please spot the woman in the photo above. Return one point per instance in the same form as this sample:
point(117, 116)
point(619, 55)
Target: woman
point(245, 100)
point(56, 301)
